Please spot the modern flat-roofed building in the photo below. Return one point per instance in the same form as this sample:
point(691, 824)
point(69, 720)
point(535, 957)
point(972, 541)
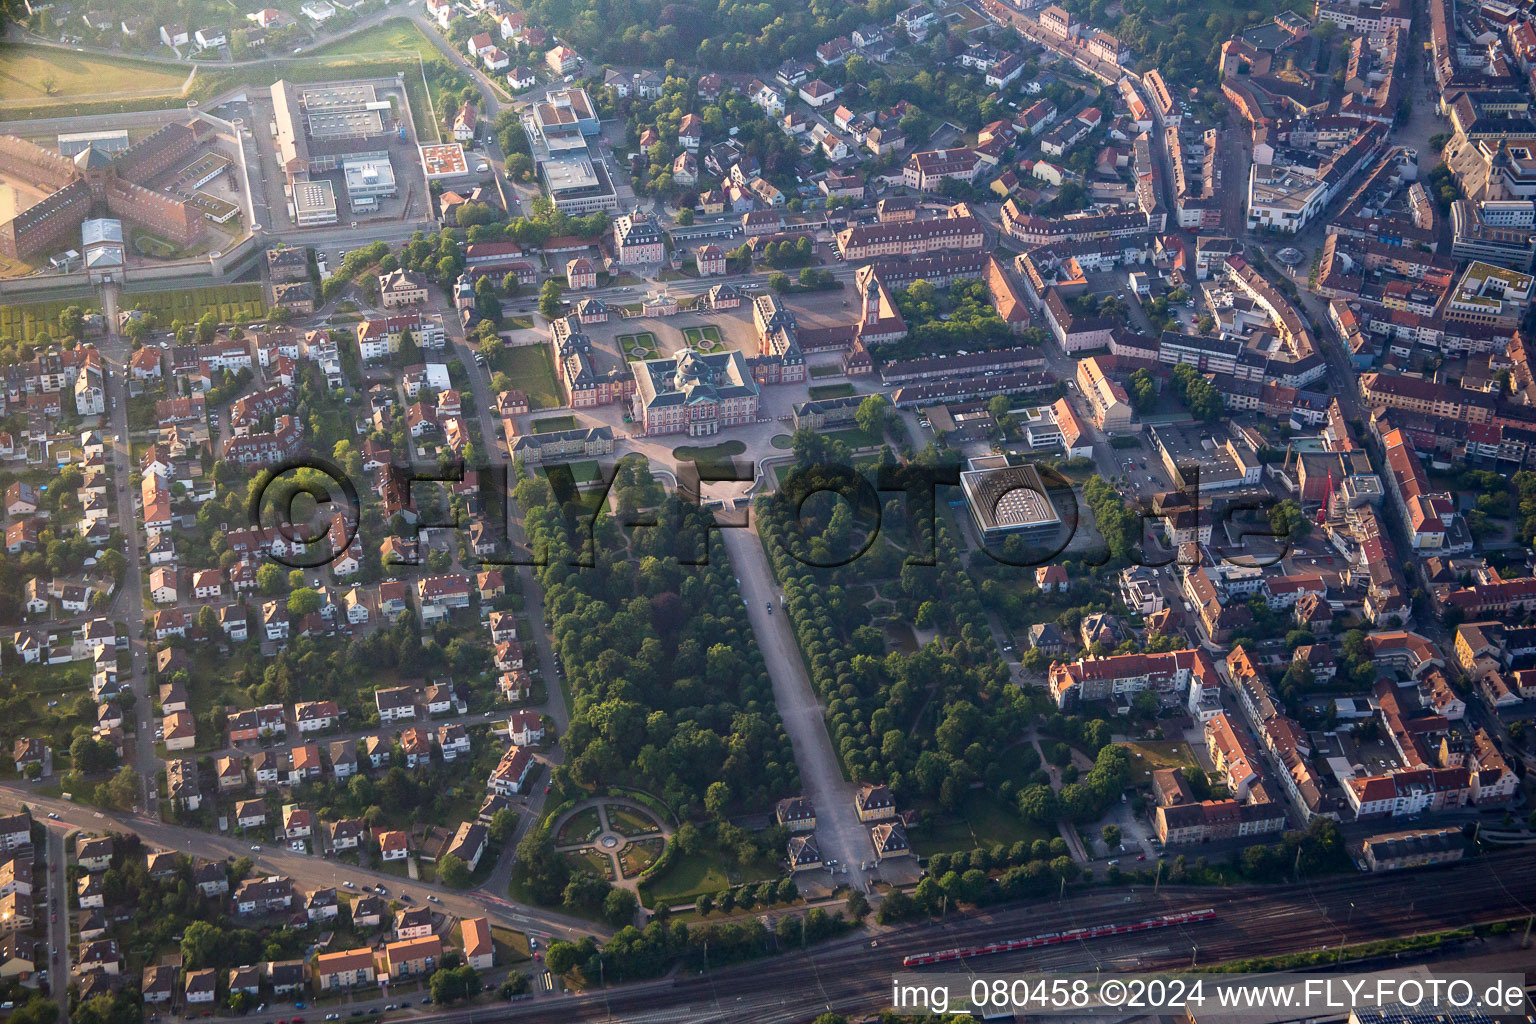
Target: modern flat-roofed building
point(443, 160)
point(558, 130)
point(369, 177)
point(1499, 231)
point(1007, 499)
point(314, 203)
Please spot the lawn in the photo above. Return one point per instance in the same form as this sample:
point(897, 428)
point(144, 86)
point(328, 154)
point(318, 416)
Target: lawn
point(685, 879)
point(719, 452)
point(638, 346)
point(26, 71)
point(1175, 754)
point(783, 442)
point(628, 822)
point(705, 339)
point(639, 855)
point(829, 370)
point(981, 822)
point(229, 302)
point(396, 35)
point(532, 368)
point(831, 391)
point(510, 947)
point(146, 244)
point(580, 829)
point(550, 424)
point(855, 438)
point(590, 861)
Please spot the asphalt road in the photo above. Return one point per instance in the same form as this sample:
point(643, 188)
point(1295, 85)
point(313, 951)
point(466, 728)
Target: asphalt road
point(307, 871)
point(115, 352)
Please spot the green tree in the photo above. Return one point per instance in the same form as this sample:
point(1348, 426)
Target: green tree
point(270, 578)
point(779, 282)
point(872, 414)
point(562, 958)
point(717, 799)
point(452, 871)
point(207, 327)
point(1288, 521)
point(619, 907)
point(549, 300)
point(304, 601)
point(503, 824)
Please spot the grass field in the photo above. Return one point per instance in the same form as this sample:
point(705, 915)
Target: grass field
point(396, 36)
point(532, 368)
point(25, 72)
point(22, 323)
point(146, 244)
point(550, 424)
point(821, 391)
point(228, 301)
point(981, 822)
point(1147, 755)
point(685, 879)
point(510, 946)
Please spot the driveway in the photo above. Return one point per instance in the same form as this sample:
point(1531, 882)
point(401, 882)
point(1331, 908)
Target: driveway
point(838, 830)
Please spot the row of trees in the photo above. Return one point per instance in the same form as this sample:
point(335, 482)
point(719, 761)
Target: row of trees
point(634, 953)
point(914, 721)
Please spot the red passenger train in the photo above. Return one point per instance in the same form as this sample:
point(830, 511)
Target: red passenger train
point(1055, 938)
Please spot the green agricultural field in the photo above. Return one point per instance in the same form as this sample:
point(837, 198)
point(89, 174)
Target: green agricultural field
point(23, 323)
point(39, 74)
point(230, 302)
point(532, 368)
